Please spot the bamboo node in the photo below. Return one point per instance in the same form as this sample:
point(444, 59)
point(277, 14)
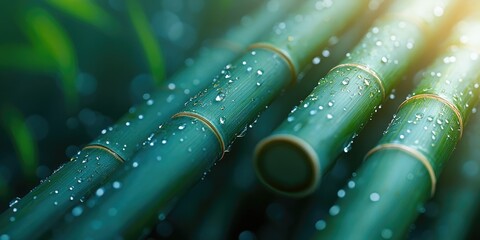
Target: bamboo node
point(442, 100)
point(412, 152)
point(209, 124)
point(106, 149)
point(367, 70)
point(282, 53)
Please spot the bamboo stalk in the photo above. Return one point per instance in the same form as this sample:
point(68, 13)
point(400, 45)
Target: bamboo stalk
point(292, 160)
point(194, 206)
point(400, 173)
point(37, 211)
point(459, 189)
point(177, 155)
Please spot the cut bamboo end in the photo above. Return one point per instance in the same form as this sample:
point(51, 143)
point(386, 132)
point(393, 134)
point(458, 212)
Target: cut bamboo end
point(283, 54)
point(106, 149)
point(366, 69)
point(412, 152)
point(442, 100)
point(287, 165)
point(207, 123)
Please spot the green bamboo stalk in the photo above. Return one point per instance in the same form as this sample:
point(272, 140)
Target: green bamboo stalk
point(400, 173)
point(292, 160)
point(459, 189)
point(37, 211)
point(194, 207)
point(178, 154)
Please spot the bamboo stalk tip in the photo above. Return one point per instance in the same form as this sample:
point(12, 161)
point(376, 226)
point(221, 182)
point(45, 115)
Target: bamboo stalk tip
point(287, 165)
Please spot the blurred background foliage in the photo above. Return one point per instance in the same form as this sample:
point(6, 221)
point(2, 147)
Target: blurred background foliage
point(70, 68)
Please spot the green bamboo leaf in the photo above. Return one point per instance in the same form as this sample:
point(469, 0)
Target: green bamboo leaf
point(177, 155)
point(25, 58)
point(292, 160)
point(87, 11)
point(147, 39)
point(400, 173)
point(25, 146)
point(49, 38)
point(118, 143)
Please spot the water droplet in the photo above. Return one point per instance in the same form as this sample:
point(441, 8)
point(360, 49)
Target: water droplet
point(13, 202)
point(378, 43)
point(222, 120)
point(329, 116)
point(290, 118)
point(171, 86)
point(334, 210)
point(374, 197)
point(116, 185)
point(402, 136)
point(135, 164)
point(100, 192)
point(220, 97)
point(164, 141)
point(351, 184)
point(430, 118)
point(384, 60)
point(313, 112)
point(346, 81)
point(77, 211)
point(259, 72)
point(330, 104)
point(253, 53)
point(181, 127)
point(316, 60)
point(341, 193)
point(320, 225)
point(325, 53)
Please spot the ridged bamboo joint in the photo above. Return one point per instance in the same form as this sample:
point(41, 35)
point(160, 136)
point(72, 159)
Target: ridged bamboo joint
point(304, 147)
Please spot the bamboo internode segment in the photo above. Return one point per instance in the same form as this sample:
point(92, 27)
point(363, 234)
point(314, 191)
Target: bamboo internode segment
point(209, 124)
point(227, 44)
point(106, 149)
point(414, 153)
point(367, 70)
point(283, 54)
point(442, 100)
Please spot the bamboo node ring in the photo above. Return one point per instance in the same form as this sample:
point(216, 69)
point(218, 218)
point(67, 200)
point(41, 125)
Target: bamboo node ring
point(442, 100)
point(412, 152)
point(366, 69)
point(106, 149)
point(282, 53)
point(208, 123)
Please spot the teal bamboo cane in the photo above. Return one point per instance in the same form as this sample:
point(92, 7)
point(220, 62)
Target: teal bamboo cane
point(185, 147)
point(400, 173)
point(39, 209)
